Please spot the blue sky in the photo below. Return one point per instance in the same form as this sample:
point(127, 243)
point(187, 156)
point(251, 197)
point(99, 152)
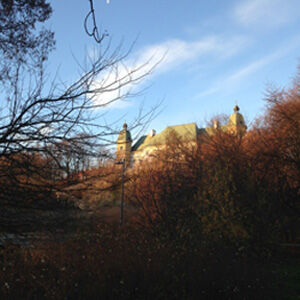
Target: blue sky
point(216, 53)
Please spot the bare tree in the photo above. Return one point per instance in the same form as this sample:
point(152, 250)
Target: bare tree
point(37, 117)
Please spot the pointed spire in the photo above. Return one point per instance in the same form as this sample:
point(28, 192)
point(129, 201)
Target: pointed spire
point(236, 108)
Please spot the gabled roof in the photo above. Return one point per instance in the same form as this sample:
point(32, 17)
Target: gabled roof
point(185, 132)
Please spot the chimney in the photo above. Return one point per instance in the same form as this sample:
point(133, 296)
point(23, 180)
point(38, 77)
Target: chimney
point(152, 132)
point(216, 124)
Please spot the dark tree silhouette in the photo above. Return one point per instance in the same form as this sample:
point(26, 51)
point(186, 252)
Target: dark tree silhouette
point(39, 116)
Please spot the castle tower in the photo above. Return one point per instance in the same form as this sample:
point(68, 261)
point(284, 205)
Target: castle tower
point(124, 146)
point(236, 122)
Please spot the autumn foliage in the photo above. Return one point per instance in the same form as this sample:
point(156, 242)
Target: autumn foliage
point(210, 220)
point(237, 187)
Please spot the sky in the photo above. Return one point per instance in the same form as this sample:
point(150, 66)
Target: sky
point(212, 54)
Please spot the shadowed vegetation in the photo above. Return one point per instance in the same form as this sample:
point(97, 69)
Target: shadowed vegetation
point(210, 220)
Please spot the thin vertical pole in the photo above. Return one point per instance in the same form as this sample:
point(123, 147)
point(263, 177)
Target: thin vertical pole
point(122, 195)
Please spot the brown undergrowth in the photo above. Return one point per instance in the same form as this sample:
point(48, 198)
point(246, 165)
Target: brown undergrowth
point(131, 263)
point(209, 220)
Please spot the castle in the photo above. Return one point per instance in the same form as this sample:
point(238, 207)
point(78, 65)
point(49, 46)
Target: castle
point(187, 133)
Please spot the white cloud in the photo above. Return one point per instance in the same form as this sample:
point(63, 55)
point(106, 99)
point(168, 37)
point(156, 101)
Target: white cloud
point(120, 81)
point(267, 13)
point(176, 52)
point(235, 79)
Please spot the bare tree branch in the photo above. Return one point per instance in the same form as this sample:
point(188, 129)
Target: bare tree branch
point(93, 31)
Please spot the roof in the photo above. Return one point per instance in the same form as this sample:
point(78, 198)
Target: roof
point(139, 142)
point(236, 119)
point(185, 132)
point(124, 136)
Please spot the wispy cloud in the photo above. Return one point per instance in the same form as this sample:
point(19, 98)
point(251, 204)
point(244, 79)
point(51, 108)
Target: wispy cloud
point(234, 80)
point(267, 13)
point(160, 58)
point(177, 52)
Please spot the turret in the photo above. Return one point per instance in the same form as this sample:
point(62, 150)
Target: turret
point(124, 146)
point(236, 122)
